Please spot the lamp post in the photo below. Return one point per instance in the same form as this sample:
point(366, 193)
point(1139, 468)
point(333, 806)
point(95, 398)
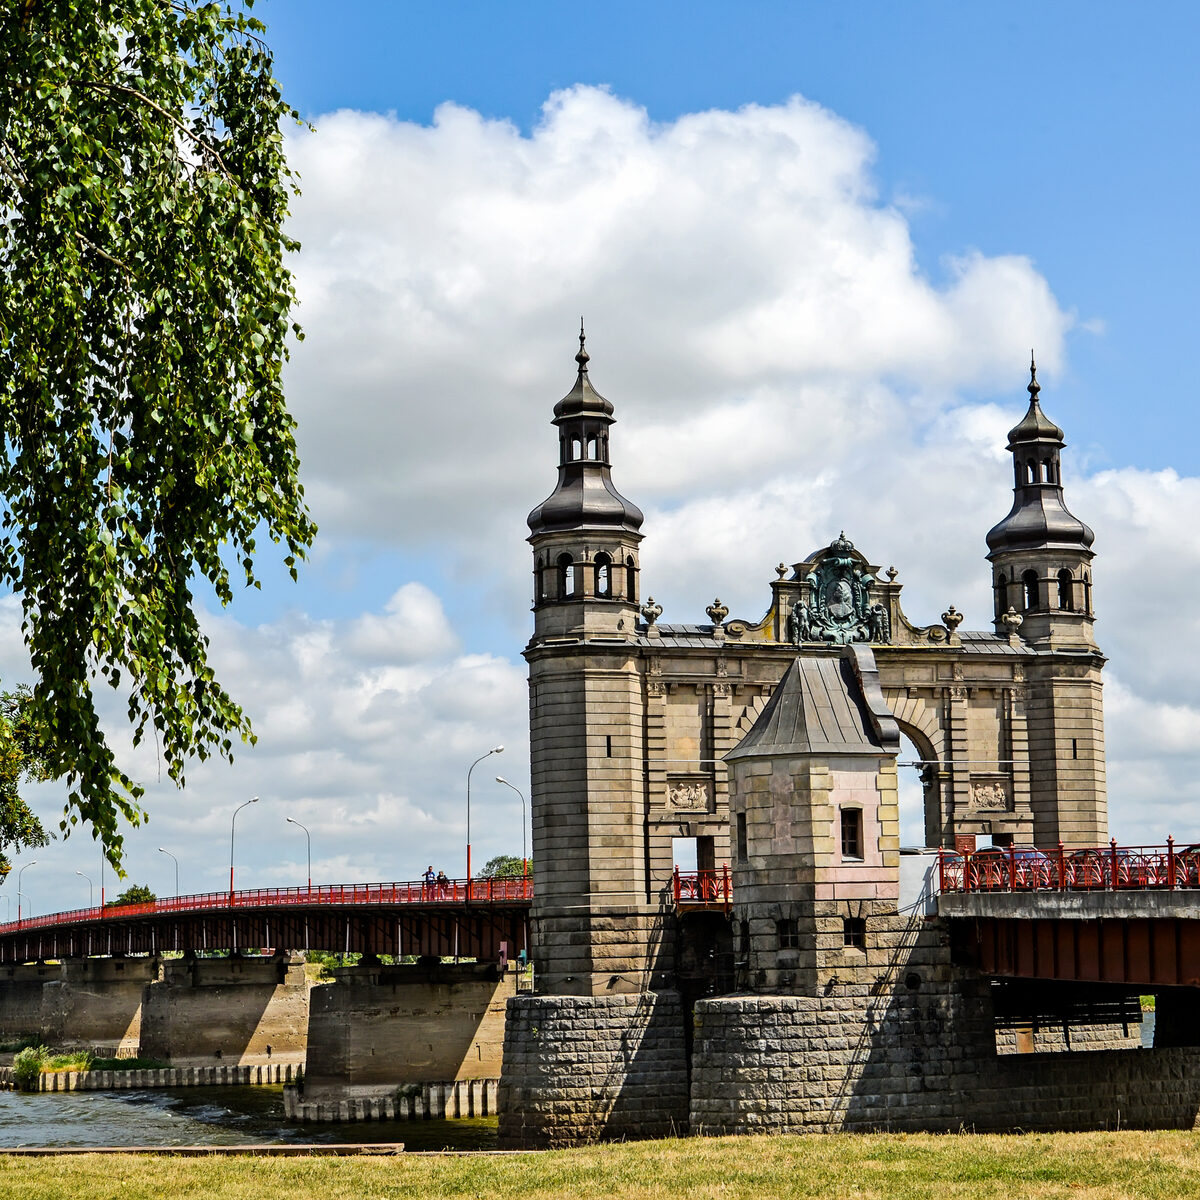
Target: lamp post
point(524, 856)
point(493, 750)
point(19, 892)
point(172, 857)
point(89, 879)
point(232, 828)
point(308, 836)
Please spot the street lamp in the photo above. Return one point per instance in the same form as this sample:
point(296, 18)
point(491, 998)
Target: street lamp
point(172, 857)
point(232, 827)
point(19, 893)
point(89, 879)
point(293, 821)
point(524, 857)
point(493, 750)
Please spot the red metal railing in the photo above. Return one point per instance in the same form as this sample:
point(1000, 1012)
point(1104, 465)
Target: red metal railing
point(703, 889)
point(1099, 868)
point(454, 891)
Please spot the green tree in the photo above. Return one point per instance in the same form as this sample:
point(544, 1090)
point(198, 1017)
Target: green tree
point(144, 315)
point(20, 760)
point(136, 893)
point(503, 866)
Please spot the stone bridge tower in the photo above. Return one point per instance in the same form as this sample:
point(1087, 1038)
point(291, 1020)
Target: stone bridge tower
point(1041, 558)
point(593, 917)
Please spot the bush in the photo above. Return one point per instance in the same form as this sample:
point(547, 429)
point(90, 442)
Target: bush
point(137, 893)
point(27, 1066)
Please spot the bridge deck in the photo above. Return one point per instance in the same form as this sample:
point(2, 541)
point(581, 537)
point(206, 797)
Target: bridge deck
point(477, 919)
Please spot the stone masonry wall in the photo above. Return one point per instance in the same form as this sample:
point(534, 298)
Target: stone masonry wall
point(590, 1068)
point(796, 1064)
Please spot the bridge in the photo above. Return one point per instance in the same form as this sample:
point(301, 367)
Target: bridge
point(485, 919)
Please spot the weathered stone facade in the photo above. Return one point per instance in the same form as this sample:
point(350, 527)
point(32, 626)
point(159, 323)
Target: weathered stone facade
point(581, 1068)
point(774, 744)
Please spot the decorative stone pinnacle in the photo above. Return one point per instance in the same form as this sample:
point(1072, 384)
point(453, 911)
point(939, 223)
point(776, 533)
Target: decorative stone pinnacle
point(651, 611)
point(717, 612)
point(891, 574)
point(781, 570)
point(583, 356)
point(1034, 386)
point(952, 618)
point(1012, 620)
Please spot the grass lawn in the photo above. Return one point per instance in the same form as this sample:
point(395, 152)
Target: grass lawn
point(1087, 1166)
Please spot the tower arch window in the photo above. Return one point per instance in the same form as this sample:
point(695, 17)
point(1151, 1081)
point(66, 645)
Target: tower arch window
point(1001, 595)
point(1032, 590)
point(591, 448)
point(576, 449)
point(566, 576)
point(631, 584)
point(1087, 594)
point(539, 581)
point(604, 581)
point(1048, 469)
point(1066, 590)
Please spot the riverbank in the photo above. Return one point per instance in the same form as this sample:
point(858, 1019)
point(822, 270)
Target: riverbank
point(1099, 1166)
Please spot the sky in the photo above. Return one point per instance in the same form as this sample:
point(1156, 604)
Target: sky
point(814, 244)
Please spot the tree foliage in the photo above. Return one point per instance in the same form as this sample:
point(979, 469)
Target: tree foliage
point(136, 893)
point(20, 761)
point(503, 866)
point(144, 312)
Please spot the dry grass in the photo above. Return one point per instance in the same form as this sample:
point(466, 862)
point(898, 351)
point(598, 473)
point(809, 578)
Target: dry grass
point(1090, 1166)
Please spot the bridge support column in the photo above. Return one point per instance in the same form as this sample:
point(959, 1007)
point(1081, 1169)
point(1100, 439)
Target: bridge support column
point(241, 1011)
point(378, 1028)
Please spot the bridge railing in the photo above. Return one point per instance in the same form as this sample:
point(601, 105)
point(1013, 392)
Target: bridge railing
point(453, 891)
point(1091, 868)
point(703, 889)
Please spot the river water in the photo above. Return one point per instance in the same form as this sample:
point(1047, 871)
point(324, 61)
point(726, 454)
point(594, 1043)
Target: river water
point(206, 1117)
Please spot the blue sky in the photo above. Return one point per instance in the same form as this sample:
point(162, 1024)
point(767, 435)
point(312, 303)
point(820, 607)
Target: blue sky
point(1065, 132)
point(814, 243)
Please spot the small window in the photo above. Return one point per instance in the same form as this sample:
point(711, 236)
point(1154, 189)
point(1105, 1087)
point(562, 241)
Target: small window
point(852, 833)
point(566, 576)
point(603, 576)
point(631, 590)
point(1029, 582)
point(788, 933)
point(741, 837)
point(854, 933)
point(1066, 590)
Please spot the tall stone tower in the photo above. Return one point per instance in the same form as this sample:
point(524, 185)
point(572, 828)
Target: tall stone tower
point(1041, 556)
point(585, 713)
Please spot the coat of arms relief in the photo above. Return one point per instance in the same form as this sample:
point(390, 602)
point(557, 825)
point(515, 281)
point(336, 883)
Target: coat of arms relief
point(838, 609)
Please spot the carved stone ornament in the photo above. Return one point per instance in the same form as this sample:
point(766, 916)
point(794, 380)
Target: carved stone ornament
point(717, 612)
point(952, 618)
point(990, 796)
point(651, 611)
point(1012, 620)
point(840, 609)
point(689, 794)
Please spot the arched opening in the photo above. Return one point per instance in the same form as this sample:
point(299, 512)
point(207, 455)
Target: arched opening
point(918, 792)
point(566, 577)
point(631, 585)
point(1066, 591)
point(1031, 471)
point(1001, 595)
point(603, 580)
point(539, 580)
point(1087, 594)
point(1048, 470)
point(1031, 588)
point(576, 449)
point(591, 448)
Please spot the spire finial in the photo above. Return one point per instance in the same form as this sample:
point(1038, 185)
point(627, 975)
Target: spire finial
point(1034, 386)
point(582, 357)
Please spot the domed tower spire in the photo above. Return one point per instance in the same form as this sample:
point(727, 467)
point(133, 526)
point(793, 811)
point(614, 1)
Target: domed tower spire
point(585, 534)
point(1041, 553)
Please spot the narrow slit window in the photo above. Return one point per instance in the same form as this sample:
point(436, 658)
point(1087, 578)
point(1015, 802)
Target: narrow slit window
point(854, 933)
point(852, 833)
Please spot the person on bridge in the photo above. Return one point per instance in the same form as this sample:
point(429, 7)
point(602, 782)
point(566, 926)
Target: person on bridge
point(443, 885)
point(430, 879)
